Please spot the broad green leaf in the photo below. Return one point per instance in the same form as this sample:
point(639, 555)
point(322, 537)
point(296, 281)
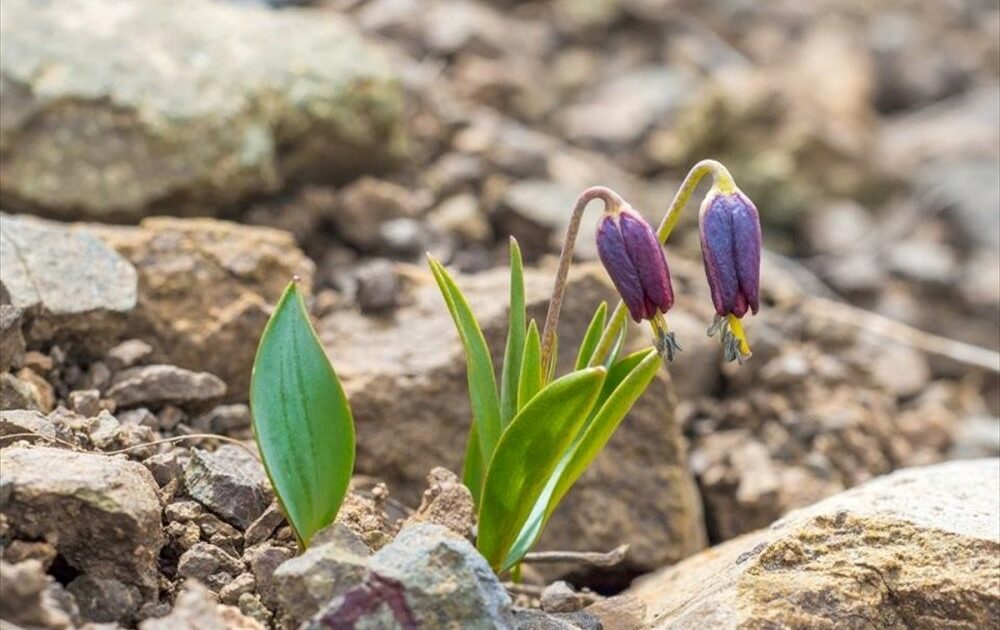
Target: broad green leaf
point(482, 382)
point(531, 367)
point(301, 419)
point(625, 383)
point(592, 336)
point(526, 456)
point(509, 379)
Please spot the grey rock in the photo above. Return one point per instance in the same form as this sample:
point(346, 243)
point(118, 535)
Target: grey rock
point(324, 571)
point(105, 601)
point(25, 421)
point(17, 394)
point(439, 577)
point(971, 190)
point(30, 598)
point(253, 607)
point(203, 560)
point(68, 282)
point(139, 416)
point(621, 612)
point(182, 511)
point(230, 482)
point(103, 429)
point(196, 608)
point(378, 286)
point(223, 419)
point(262, 528)
point(127, 354)
point(242, 583)
point(975, 437)
point(263, 560)
point(366, 205)
point(73, 499)
point(86, 402)
point(529, 619)
point(164, 467)
point(116, 135)
point(11, 338)
point(537, 211)
point(559, 597)
point(461, 215)
point(446, 502)
point(160, 384)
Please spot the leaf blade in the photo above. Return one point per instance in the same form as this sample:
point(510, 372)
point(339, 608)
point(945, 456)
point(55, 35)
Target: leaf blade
point(526, 455)
point(592, 337)
point(531, 367)
point(301, 419)
point(482, 382)
point(510, 377)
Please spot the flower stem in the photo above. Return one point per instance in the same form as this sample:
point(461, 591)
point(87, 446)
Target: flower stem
point(610, 199)
point(723, 181)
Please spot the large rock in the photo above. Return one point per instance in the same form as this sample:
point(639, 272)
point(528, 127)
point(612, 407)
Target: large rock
point(916, 549)
point(101, 513)
point(207, 284)
point(163, 384)
point(229, 481)
point(197, 122)
point(428, 577)
point(66, 281)
point(405, 376)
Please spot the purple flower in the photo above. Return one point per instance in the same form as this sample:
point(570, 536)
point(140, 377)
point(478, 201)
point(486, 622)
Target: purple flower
point(634, 259)
point(730, 247)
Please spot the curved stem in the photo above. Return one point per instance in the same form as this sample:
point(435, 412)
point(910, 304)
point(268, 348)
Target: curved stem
point(610, 199)
point(721, 180)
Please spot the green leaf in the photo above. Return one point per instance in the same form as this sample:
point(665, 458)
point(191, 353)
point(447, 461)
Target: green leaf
point(531, 367)
point(482, 382)
point(301, 419)
point(626, 381)
point(592, 336)
point(526, 455)
point(472, 469)
point(509, 379)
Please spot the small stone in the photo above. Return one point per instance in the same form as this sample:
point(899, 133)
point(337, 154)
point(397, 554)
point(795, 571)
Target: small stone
point(529, 619)
point(16, 394)
point(98, 376)
point(368, 203)
point(263, 560)
point(461, 215)
point(378, 286)
point(325, 570)
point(11, 339)
point(86, 402)
point(39, 363)
point(213, 527)
point(42, 390)
point(103, 429)
point(164, 467)
point(20, 550)
point(105, 601)
point(72, 499)
point(242, 583)
point(203, 560)
point(261, 529)
point(366, 518)
point(223, 419)
point(253, 607)
point(182, 511)
point(24, 421)
point(182, 535)
point(196, 608)
point(230, 482)
point(140, 416)
point(446, 502)
point(160, 384)
point(559, 597)
point(29, 598)
point(169, 417)
point(128, 354)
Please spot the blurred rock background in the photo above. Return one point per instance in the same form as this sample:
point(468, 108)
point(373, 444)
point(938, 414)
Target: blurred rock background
point(165, 168)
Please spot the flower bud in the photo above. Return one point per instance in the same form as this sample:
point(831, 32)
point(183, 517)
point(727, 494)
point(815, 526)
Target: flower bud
point(730, 247)
point(634, 259)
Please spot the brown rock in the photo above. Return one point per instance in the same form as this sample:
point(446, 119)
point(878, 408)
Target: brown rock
point(446, 502)
point(622, 612)
point(25, 421)
point(263, 559)
point(196, 608)
point(207, 284)
point(17, 394)
point(161, 384)
point(28, 600)
point(916, 549)
point(74, 499)
point(366, 517)
point(11, 338)
point(405, 377)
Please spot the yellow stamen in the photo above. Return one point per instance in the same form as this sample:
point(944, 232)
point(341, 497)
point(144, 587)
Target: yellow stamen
point(736, 328)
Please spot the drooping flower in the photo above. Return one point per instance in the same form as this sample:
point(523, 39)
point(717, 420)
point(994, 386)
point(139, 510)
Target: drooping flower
point(730, 247)
point(634, 259)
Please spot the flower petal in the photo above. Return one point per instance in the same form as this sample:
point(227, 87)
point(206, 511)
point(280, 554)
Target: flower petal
point(718, 251)
point(614, 256)
point(649, 261)
point(747, 243)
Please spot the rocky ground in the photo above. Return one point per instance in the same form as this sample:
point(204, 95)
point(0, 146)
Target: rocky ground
point(155, 206)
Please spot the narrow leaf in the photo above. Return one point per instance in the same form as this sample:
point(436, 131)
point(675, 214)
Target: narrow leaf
point(526, 456)
point(301, 419)
point(625, 383)
point(472, 469)
point(509, 378)
point(482, 382)
point(531, 367)
point(592, 337)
